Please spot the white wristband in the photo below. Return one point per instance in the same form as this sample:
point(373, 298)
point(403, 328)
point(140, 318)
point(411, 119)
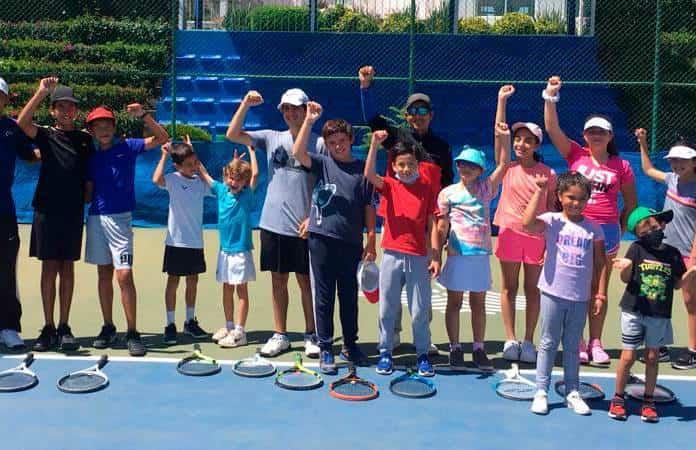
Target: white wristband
point(550, 98)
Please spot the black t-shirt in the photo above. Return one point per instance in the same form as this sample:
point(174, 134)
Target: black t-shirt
point(651, 287)
point(64, 162)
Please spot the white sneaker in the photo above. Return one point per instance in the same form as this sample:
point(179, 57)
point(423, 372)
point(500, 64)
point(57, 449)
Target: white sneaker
point(511, 351)
point(311, 346)
point(574, 401)
point(540, 405)
point(234, 338)
point(220, 334)
point(11, 339)
point(277, 344)
point(528, 352)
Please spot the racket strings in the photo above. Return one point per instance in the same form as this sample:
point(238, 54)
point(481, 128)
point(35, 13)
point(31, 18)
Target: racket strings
point(412, 388)
point(254, 368)
point(354, 388)
point(16, 380)
point(82, 381)
point(516, 389)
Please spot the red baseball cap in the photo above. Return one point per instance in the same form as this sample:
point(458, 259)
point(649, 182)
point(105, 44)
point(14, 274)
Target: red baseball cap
point(368, 280)
point(100, 112)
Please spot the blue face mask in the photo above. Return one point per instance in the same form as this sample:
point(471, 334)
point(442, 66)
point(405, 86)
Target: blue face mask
point(114, 141)
point(409, 180)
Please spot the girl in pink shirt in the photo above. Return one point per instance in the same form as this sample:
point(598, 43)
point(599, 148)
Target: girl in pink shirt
point(609, 176)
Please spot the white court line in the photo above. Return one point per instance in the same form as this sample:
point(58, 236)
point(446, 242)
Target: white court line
point(229, 362)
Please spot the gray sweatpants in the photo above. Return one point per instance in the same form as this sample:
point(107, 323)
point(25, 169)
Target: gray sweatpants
point(561, 321)
point(396, 270)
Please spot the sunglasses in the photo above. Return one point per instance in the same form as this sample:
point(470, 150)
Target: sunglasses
point(418, 111)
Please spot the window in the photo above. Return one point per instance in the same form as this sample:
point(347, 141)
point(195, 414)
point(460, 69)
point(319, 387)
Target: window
point(490, 7)
point(521, 6)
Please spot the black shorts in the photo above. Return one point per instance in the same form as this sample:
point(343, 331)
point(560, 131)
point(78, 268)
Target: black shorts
point(284, 254)
point(182, 261)
point(56, 236)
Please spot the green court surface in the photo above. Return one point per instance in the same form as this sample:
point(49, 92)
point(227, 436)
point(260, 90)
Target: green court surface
point(150, 282)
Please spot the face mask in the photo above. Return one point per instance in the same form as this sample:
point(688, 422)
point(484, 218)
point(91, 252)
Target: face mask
point(653, 239)
point(409, 180)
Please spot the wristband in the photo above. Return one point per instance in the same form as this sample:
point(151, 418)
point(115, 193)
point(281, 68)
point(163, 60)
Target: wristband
point(550, 98)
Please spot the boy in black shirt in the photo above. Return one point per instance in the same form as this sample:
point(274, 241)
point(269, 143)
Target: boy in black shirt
point(652, 270)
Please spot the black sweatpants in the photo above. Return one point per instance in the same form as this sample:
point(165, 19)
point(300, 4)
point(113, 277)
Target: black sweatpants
point(333, 266)
point(10, 308)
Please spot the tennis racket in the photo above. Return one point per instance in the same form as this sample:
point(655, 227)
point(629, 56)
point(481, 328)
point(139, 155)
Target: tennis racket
point(588, 391)
point(91, 379)
point(412, 385)
point(19, 378)
point(254, 367)
point(298, 377)
point(353, 388)
point(514, 386)
point(635, 388)
point(197, 364)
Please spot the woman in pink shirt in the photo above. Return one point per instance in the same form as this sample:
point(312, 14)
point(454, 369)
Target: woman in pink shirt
point(609, 175)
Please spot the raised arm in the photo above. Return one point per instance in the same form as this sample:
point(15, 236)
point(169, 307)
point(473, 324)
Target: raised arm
point(371, 163)
point(254, 181)
point(645, 162)
point(553, 128)
point(299, 147)
point(367, 105)
point(235, 131)
point(158, 174)
point(159, 134)
point(203, 173)
point(529, 219)
point(504, 94)
point(26, 117)
point(502, 150)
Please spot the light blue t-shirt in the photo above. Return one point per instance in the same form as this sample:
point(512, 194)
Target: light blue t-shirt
point(234, 218)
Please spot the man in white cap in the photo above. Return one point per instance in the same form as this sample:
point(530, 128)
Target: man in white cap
point(285, 211)
point(13, 143)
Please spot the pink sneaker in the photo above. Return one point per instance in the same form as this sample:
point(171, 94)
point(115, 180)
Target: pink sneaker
point(582, 352)
point(599, 356)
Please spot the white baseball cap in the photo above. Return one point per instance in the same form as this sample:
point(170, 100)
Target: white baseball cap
point(681, 152)
point(295, 97)
point(598, 122)
point(4, 88)
point(532, 127)
point(368, 280)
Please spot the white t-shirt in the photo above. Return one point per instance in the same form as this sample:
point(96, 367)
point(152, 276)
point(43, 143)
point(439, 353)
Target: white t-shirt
point(185, 222)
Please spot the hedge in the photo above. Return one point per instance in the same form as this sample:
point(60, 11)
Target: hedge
point(33, 10)
point(474, 25)
point(514, 23)
point(116, 97)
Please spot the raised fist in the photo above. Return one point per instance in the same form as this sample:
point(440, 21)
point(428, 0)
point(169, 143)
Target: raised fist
point(506, 91)
point(553, 87)
point(253, 98)
point(366, 74)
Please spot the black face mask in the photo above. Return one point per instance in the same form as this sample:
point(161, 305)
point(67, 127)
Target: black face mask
point(653, 239)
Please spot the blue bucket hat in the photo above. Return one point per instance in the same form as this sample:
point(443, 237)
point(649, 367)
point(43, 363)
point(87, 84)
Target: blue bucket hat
point(473, 156)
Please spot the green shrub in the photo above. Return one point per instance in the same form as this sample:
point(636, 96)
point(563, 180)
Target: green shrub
point(34, 10)
point(329, 17)
point(237, 18)
point(514, 23)
point(279, 18)
point(398, 22)
point(438, 21)
point(473, 25)
point(116, 97)
point(356, 22)
point(550, 22)
point(195, 133)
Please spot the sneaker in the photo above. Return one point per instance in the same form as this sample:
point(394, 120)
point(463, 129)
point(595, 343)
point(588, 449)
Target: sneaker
point(135, 344)
point(582, 352)
point(648, 413)
point(425, 369)
point(46, 340)
point(235, 338)
point(66, 340)
point(192, 328)
point(107, 337)
point(511, 351)
point(433, 350)
point(221, 333)
point(540, 404)
point(311, 346)
point(687, 360)
point(481, 360)
point(276, 344)
point(385, 365)
point(617, 409)
point(170, 334)
point(577, 404)
point(663, 357)
point(456, 357)
point(11, 339)
point(597, 353)
point(326, 363)
point(528, 353)
point(353, 354)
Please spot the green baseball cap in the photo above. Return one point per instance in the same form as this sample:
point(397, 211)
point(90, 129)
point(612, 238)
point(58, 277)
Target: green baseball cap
point(642, 213)
point(473, 156)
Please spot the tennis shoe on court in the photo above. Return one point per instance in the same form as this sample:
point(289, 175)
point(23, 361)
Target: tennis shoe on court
point(353, 354)
point(276, 344)
point(107, 336)
point(577, 404)
point(617, 409)
point(11, 339)
point(135, 344)
point(425, 369)
point(687, 360)
point(385, 365)
point(528, 352)
point(582, 352)
point(47, 339)
point(481, 360)
point(311, 345)
point(597, 353)
point(221, 333)
point(327, 364)
point(540, 404)
point(170, 334)
point(456, 357)
point(648, 413)
point(511, 351)
point(235, 338)
point(66, 340)
point(194, 330)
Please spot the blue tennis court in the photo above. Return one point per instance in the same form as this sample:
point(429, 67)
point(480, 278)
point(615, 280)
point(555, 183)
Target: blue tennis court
point(148, 405)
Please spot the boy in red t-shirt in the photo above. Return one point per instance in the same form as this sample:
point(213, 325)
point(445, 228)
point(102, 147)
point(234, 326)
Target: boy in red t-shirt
point(409, 206)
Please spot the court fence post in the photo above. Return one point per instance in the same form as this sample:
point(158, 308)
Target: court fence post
point(655, 123)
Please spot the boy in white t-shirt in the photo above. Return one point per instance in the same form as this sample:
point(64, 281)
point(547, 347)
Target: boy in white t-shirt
point(183, 253)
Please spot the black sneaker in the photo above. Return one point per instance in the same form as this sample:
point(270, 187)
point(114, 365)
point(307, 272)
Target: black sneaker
point(135, 344)
point(192, 328)
point(664, 356)
point(355, 355)
point(66, 340)
point(170, 334)
point(46, 340)
point(107, 337)
point(481, 360)
point(456, 357)
point(687, 360)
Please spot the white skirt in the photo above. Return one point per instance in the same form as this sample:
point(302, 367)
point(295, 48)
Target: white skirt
point(235, 268)
point(467, 273)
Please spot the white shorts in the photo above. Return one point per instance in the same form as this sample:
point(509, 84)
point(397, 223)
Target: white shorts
point(235, 268)
point(637, 329)
point(110, 240)
point(467, 273)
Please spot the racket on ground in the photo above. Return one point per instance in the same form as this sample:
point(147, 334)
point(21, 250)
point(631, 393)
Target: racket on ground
point(514, 386)
point(197, 364)
point(19, 378)
point(635, 388)
point(353, 388)
point(412, 385)
point(254, 367)
point(298, 377)
point(588, 391)
point(91, 379)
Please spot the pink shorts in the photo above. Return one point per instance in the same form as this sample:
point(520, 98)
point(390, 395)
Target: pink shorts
point(514, 246)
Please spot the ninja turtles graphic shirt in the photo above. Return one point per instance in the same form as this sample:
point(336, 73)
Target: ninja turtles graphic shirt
point(653, 274)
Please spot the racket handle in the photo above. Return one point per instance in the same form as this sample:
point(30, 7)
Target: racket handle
point(29, 359)
point(102, 361)
point(298, 359)
point(351, 369)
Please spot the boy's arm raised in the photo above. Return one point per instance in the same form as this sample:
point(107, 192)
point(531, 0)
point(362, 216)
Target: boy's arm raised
point(158, 174)
point(235, 131)
point(371, 163)
point(26, 117)
point(553, 128)
point(299, 147)
point(159, 134)
point(254, 181)
point(645, 162)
